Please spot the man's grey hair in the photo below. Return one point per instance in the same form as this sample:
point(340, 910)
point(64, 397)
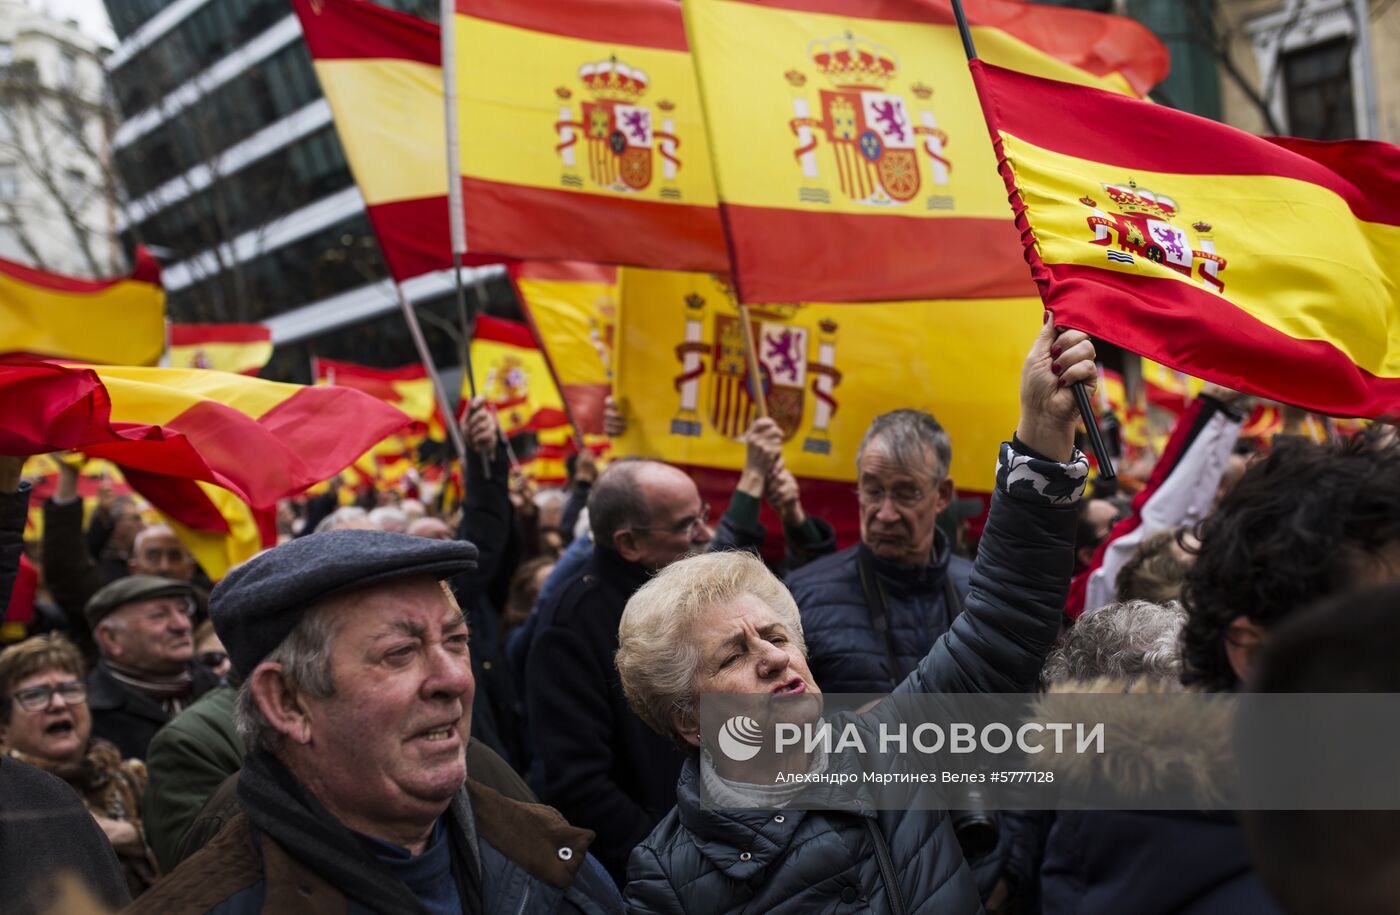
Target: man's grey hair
point(1130, 640)
point(305, 656)
point(340, 518)
point(389, 518)
point(154, 530)
point(908, 436)
point(616, 502)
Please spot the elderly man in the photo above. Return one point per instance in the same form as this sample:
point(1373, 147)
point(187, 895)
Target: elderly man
point(145, 673)
point(872, 611)
point(356, 706)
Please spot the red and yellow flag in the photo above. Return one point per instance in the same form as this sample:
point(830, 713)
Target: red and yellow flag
point(381, 72)
point(240, 348)
point(573, 309)
point(1265, 265)
point(513, 376)
point(119, 321)
point(582, 135)
point(218, 528)
point(261, 440)
point(849, 151)
point(407, 387)
point(828, 370)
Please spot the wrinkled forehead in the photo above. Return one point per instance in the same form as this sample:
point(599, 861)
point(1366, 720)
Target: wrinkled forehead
point(421, 603)
point(917, 462)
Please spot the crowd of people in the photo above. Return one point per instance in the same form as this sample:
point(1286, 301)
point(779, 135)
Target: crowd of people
point(492, 707)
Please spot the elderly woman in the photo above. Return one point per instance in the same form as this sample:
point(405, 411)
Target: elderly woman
point(44, 721)
point(722, 624)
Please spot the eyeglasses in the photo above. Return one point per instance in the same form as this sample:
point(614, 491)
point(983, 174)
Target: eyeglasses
point(211, 659)
point(904, 495)
point(687, 527)
point(38, 698)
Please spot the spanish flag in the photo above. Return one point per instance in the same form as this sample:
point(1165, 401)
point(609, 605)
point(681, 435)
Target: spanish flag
point(381, 72)
point(848, 147)
point(582, 135)
point(407, 388)
point(240, 348)
point(1265, 265)
point(261, 440)
point(572, 307)
point(119, 321)
point(218, 528)
point(512, 374)
point(827, 371)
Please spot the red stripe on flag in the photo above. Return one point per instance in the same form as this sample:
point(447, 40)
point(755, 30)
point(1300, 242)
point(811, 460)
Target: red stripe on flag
point(46, 407)
point(353, 370)
point(564, 271)
point(180, 498)
point(1182, 325)
point(356, 29)
point(645, 23)
point(414, 236)
point(190, 334)
point(145, 270)
point(498, 330)
point(517, 221)
point(1098, 43)
point(1049, 114)
point(586, 405)
point(836, 257)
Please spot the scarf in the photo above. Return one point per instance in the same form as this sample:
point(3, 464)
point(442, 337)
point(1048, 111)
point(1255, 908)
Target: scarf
point(170, 691)
point(278, 805)
point(723, 792)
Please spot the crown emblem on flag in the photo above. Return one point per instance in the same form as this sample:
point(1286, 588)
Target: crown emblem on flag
point(612, 80)
point(853, 63)
point(921, 90)
point(695, 301)
point(795, 78)
point(1133, 199)
point(666, 105)
point(1088, 201)
point(1202, 227)
point(563, 92)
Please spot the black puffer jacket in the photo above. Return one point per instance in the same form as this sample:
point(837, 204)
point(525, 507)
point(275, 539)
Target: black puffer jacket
point(703, 859)
point(845, 652)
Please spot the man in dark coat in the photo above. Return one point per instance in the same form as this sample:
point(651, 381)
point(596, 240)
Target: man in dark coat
point(146, 672)
point(872, 611)
point(356, 706)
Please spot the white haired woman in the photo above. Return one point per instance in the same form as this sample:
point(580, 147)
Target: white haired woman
point(722, 624)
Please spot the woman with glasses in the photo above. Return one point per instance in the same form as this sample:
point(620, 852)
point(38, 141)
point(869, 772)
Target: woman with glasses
point(44, 721)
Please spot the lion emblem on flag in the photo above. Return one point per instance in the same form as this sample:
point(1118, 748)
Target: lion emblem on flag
point(617, 135)
point(875, 146)
point(1144, 227)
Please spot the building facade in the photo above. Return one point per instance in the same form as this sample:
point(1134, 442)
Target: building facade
point(235, 177)
point(57, 193)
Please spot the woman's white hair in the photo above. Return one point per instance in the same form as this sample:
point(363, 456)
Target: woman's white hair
point(659, 654)
point(1131, 640)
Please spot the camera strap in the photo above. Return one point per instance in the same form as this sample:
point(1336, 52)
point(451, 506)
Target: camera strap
point(877, 604)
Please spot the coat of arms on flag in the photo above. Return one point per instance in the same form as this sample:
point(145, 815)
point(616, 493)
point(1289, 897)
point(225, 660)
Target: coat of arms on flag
point(875, 146)
point(619, 133)
point(1143, 227)
point(786, 371)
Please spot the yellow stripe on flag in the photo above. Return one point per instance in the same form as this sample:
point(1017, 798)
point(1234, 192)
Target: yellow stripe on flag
point(218, 553)
point(122, 324)
point(158, 395)
point(833, 368)
point(575, 322)
point(238, 358)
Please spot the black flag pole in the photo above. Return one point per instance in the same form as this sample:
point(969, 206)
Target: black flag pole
point(1081, 395)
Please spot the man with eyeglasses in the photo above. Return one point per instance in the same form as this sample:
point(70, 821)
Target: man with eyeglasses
point(145, 673)
point(873, 610)
point(602, 767)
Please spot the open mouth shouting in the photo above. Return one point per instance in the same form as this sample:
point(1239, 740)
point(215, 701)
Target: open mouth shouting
point(791, 687)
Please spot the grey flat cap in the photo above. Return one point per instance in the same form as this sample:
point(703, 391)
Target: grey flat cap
point(259, 603)
point(129, 590)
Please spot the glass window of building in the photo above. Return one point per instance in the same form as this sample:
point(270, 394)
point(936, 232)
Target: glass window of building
point(1317, 80)
point(7, 53)
point(9, 181)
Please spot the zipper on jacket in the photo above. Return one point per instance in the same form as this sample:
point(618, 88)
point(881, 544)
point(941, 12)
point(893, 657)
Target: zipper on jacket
point(524, 898)
point(886, 865)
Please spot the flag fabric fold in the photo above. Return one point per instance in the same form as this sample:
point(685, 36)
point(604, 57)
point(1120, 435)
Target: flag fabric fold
point(261, 440)
point(512, 375)
point(239, 348)
point(583, 137)
point(1265, 265)
point(849, 152)
point(117, 321)
point(572, 307)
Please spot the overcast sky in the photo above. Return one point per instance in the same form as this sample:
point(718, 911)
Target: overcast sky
point(90, 14)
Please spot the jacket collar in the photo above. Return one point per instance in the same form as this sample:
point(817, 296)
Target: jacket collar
point(535, 838)
point(618, 573)
point(923, 577)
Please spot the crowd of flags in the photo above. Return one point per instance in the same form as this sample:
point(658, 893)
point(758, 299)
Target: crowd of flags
point(887, 219)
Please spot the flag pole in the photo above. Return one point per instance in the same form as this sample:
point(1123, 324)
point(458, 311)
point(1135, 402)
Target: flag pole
point(751, 356)
point(1081, 396)
point(454, 432)
point(456, 218)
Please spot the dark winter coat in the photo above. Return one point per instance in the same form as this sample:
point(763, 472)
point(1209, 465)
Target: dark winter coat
point(531, 861)
point(845, 652)
point(126, 717)
point(706, 859)
point(45, 830)
point(14, 511)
